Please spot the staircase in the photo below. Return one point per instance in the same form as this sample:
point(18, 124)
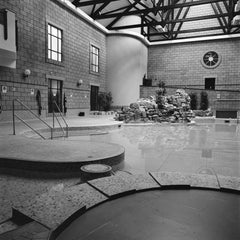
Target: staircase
point(52, 129)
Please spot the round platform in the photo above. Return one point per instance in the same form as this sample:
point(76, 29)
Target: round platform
point(21, 152)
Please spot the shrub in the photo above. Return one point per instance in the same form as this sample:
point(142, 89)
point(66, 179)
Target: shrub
point(204, 101)
point(104, 101)
point(193, 101)
point(162, 89)
point(159, 95)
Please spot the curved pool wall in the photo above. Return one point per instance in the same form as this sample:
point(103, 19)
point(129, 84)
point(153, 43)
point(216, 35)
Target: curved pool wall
point(168, 214)
point(200, 201)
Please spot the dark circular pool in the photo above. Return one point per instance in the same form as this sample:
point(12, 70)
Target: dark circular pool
point(157, 214)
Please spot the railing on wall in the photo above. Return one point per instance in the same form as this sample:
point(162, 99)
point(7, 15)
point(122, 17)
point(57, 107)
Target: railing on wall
point(55, 116)
point(65, 134)
point(24, 122)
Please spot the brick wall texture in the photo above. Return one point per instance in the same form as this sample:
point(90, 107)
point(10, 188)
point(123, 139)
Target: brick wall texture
point(180, 66)
point(32, 18)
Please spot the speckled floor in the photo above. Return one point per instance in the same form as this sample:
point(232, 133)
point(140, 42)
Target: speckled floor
point(52, 201)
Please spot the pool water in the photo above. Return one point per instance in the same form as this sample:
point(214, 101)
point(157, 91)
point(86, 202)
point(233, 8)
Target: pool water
point(203, 148)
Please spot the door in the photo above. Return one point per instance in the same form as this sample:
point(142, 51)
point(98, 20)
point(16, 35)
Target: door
point(94, 98)
point(54, 95)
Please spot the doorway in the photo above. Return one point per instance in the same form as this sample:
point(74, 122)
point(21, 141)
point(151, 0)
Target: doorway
point(94, 98)
point(54, 95)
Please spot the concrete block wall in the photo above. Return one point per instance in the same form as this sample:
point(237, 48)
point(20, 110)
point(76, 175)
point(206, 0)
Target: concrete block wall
point(32, 18)
point(180, 65)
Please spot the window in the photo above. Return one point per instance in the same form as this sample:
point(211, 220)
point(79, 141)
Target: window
point(94, 59)
point(211, 59)
point(3, 21)
point(210, 83)
point(54, 43)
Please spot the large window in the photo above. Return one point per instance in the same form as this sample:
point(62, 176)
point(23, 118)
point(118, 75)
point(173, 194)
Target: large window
point(54, 43)
point(94, 59)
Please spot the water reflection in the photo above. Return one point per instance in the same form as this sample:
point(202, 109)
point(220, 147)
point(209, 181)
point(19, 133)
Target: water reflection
point(183, 148)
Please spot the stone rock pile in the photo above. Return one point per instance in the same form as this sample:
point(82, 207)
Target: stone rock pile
point(174, 108)
point(203, 113)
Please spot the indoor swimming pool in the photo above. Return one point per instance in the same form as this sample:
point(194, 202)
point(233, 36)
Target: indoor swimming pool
point(203, 148)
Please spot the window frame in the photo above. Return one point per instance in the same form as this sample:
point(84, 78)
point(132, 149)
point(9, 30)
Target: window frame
point(211, 86)
point(94, 64)
point(61, 39)
point(216, 64)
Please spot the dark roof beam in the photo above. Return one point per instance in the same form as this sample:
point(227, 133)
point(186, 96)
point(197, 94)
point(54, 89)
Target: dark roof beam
point(197, 36)
point(237, 30)
point(219, 18)
point(177, 17)
point(146, 16)
point(116, 10)
point(93, 9)
point(173, 21)
point(230, 15)
point(161, 8)
point(98, 11)
point(171, 15)
point(226, 5)
point(221, 12)
point(181, 23)
point(149, 25)
point(77, 3)
point(190, 30)
point(120, 15)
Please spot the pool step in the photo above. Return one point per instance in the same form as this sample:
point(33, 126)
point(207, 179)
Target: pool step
point(7, 226)
point(32, 230)
point(14, 222)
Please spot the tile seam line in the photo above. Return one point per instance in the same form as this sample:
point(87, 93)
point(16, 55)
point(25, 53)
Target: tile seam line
point(97, 189)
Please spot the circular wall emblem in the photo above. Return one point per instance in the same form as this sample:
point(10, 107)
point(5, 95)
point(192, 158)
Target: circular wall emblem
point(211, 59)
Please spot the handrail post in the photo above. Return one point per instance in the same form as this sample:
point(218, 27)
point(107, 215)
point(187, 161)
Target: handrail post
point(13, 111)
point(53, 119)
point(34, 114)
point(62, 118)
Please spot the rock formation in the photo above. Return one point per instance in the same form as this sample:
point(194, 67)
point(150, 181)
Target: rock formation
point(174, 108)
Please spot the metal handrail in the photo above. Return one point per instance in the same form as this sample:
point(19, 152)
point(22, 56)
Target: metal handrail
point(55, 116)
point(30, 127)
point(62, 118)
point(27, 108)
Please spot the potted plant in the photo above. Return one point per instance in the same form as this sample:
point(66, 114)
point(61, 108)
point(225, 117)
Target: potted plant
point(104, 101)
point(204, 101)
point(193, 101)
point(160, 95)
